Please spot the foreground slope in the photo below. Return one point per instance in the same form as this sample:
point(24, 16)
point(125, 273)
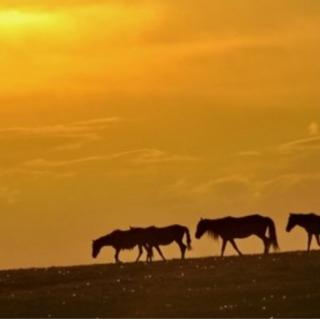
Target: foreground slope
point(278, 285)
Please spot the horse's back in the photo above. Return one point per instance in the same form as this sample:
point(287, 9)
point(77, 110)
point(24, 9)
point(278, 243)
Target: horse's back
point(243, 219)
point(313, 219)
point(127, 239)
point(255, 216)
point(174, 228)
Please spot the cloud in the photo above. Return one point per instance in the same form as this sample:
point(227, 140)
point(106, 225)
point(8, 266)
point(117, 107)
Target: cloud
point(313, 128)
point(297, 146)
point(70, 135)
point(303, 144)
point(8, 195)
point(244, 193)
point(288, 181)
point(225, 183)
point(233, 185)
point(134, 157)
point(61, 129)
point(292, 191)
point(154, 156)
point(109, 47)
point(249, 154)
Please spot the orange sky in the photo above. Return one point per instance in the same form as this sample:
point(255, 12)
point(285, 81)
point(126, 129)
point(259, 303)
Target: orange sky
point(117, 113)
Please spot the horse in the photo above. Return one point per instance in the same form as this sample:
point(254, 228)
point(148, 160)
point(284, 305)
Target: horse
point(162, 236)
point(119, 240)
point(229, 228)
point(310, 222)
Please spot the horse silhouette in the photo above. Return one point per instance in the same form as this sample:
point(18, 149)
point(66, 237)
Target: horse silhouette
point(119, 240)
point(162, 236)
point(311, 224)
point(229, 228)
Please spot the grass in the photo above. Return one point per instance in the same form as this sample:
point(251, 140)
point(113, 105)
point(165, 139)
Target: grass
point(278, 285)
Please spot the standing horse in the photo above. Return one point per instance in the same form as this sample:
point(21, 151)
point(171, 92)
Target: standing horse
point(162, 236)
point(310, 222)
point(119, 240)
point(229, 228)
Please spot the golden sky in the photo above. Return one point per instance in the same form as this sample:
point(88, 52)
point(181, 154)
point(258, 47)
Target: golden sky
point(117, 113)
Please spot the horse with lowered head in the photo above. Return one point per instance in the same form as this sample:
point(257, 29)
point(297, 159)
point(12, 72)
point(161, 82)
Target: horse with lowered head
point(230, 228)
point(119, 240)
point(153, 237)
point(311, 224)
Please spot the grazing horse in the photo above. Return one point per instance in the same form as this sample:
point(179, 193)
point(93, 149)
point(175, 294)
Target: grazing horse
point(119, 240)
point(229, 228)
point(310, 222)
point(162, 236)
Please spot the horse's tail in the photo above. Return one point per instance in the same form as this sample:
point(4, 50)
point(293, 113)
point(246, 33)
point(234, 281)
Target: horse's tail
point(273, 234)
point(188, 238)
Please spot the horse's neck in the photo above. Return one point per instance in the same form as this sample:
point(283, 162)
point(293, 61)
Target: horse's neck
point(104, 242)
point(306, 223)
point(212, 226)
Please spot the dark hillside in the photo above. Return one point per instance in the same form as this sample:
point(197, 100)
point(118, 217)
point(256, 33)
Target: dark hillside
point(278, 285)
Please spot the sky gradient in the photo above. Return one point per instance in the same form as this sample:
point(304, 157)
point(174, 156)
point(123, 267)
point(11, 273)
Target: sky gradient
point(117, 113)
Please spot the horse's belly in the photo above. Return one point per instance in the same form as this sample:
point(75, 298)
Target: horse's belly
point(241, 233)
point(128, 246)
point(165, 242)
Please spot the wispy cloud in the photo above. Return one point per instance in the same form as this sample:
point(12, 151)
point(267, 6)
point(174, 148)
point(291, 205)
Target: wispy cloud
point(154, 156)
point(69, 129)
point(71, 135)
point(245, 190)
point(296, 146)
point(249, 154)
point(212, 186)
point(292, 179)
point(303, 144)
point(133, 157)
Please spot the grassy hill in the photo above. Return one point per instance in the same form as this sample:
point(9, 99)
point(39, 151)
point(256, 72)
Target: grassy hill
point(278, 285)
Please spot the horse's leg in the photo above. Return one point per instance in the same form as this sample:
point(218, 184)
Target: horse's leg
point(116, 256)
point(149, 253)
point(224, 244)
point(233, 243)
point(309, 241)
point(160, 252)
point(183, 248)
point(318, 239)
point(266, 242)
point(140, 253)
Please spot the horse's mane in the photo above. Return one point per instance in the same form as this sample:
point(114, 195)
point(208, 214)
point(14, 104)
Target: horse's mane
point(110, 235)
point(132, 228)
point(213, 234)
point(302, 215)
point(211, 231)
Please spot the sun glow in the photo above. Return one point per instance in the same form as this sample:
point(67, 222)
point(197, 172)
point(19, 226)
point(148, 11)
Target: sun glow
point(16, 19)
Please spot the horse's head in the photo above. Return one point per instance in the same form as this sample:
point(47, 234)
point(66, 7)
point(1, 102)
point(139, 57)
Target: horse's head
point(96, 247)
point(201, 228)
point(292, 221)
